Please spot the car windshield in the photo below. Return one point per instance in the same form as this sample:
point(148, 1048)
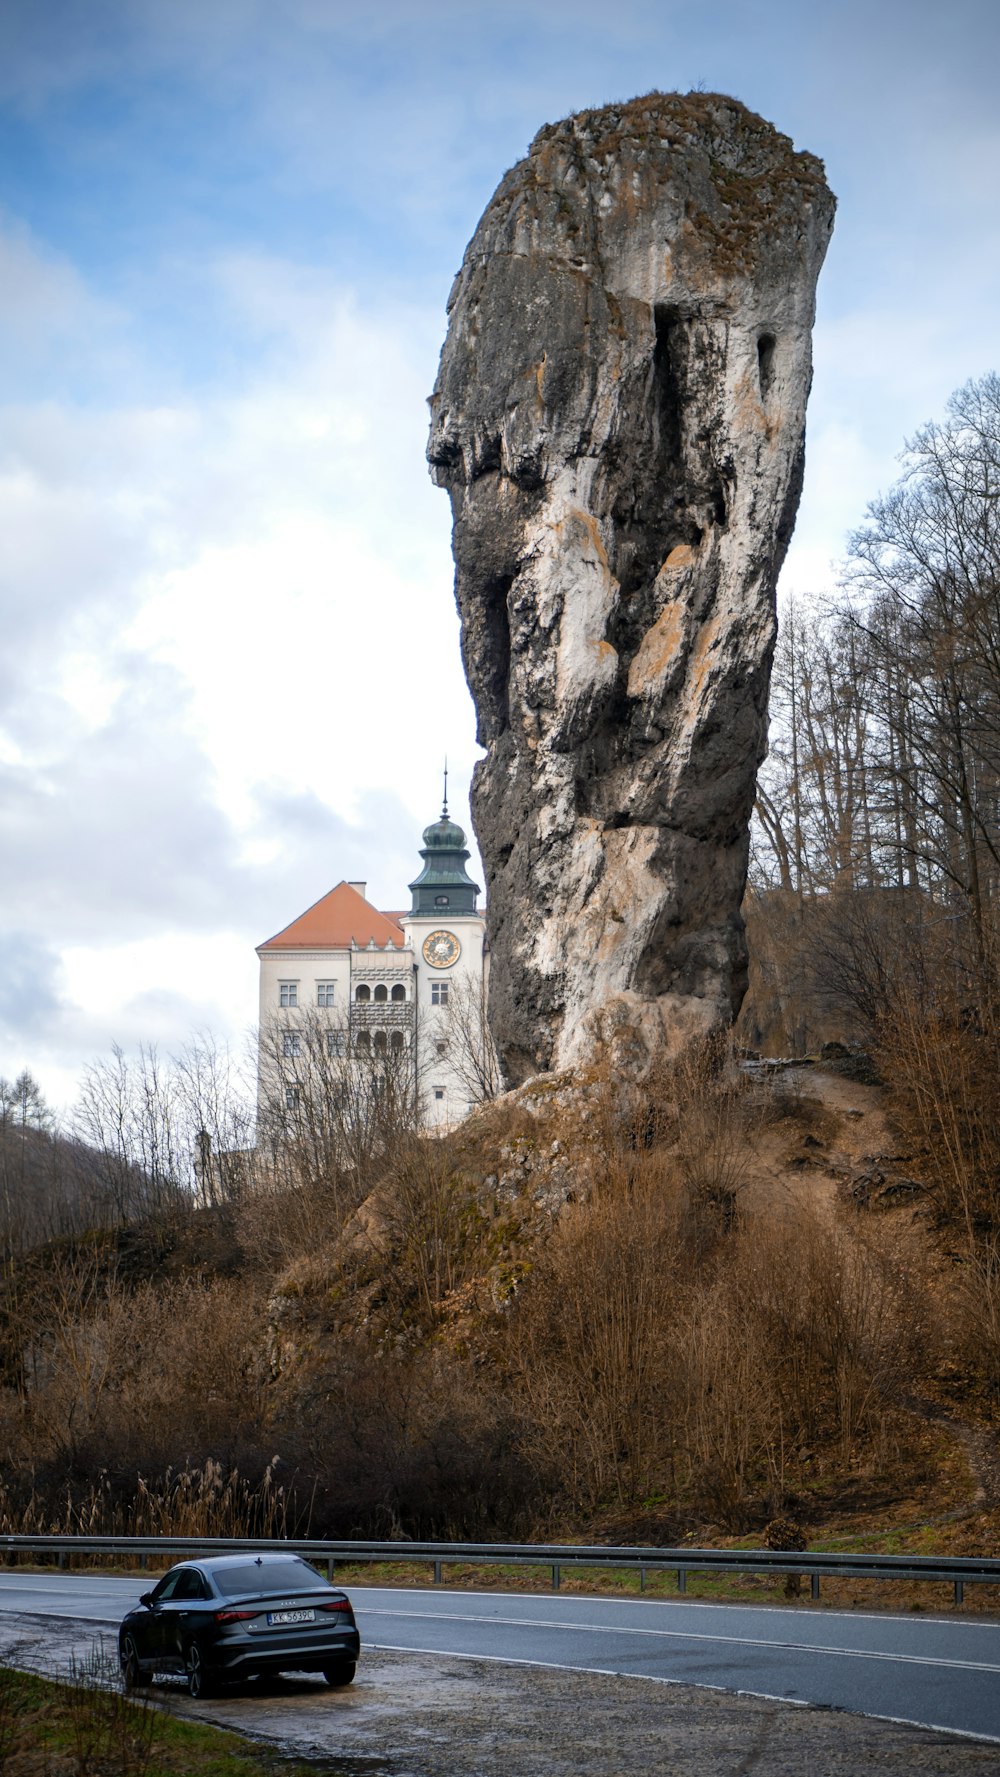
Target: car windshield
point(270, 1576)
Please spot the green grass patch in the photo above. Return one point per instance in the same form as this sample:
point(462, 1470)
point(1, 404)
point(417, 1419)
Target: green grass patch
point(50, 1729)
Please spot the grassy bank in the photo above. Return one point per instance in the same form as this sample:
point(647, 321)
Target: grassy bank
point(80, 1729)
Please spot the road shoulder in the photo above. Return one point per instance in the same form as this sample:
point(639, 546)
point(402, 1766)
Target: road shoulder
point(419, 1715)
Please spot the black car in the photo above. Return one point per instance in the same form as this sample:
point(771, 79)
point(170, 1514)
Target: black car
point(239, 1616)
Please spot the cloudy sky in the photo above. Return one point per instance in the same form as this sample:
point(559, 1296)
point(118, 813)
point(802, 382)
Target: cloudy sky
point(227, 233)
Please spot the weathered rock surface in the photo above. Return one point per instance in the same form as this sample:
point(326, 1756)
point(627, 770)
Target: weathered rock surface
point(619, 421)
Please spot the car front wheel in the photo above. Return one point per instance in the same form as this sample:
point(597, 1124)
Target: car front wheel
point(198, 1681)
point(342, 1673)
point(131, 1667)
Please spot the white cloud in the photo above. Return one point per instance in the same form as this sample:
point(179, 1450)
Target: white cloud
point(235, 668)
point(231, 663)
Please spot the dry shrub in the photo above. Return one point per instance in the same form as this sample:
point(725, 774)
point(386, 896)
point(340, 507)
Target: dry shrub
point(206, 1500)
point(125, 1384)
point(652, 1341)
point(431, 1232)
point(212, 1501)
point(653, 1364)
point(700, 1106)
point(976, 1315)
point(283, 1220)
point(719, 1110)
point(415, 1442)
point(638, 1380)
point(730, 1418)
point(591, 1351)
point(825, 1323)
point(941, 1057)
point(108, 1731)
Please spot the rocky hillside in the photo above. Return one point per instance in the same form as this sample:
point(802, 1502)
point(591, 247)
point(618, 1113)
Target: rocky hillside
point(676, 1312)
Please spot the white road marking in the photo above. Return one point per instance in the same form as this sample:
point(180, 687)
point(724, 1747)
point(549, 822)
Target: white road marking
point(804, 1647)
point(902, 1721)
point(714, 1605)
point(683, 1603)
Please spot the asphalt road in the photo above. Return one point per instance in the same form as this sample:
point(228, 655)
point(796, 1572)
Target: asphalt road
point(933, 1672)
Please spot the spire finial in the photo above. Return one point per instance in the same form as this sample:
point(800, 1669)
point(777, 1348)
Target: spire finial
point(444, 805)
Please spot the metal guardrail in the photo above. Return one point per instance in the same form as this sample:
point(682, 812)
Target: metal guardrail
point(958, 1572)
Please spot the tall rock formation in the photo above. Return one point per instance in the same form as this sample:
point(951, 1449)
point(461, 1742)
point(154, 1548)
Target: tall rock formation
point(619, 420)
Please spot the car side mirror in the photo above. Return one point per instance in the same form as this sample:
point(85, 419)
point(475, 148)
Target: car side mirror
point(146, 1598)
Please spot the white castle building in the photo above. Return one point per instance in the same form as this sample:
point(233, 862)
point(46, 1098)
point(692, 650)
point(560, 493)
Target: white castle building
point(369, 983)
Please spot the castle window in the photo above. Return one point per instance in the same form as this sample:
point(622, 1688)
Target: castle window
point(288, 993)
point(381, 1040)
point(440, 900)
point(398, 992)
point(336, 1043)
point(324, 993)
point(362, 994)
point(439, 993)
point(291, 1044)
point(362, 1040)
point(439, 1092)
point(293, 1097)
point(381, 993)
point(396, 1040)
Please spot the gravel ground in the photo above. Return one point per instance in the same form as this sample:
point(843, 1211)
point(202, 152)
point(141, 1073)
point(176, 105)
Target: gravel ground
point(413, 1715)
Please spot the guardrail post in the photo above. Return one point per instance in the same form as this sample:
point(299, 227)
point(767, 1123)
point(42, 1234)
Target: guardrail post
point(143, 1563)
point(330, 1566)
point(437, 1573)
point(642, 1579)
point(959, 1591)
point(682, 1579)
point(556, 1576)
point(814, 1586)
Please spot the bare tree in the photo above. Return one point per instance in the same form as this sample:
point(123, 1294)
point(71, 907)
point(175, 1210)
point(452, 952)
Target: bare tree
point(130, 1113)
point(926, 566)
point(471, 1052)
point(49, 1182)
point(815, 791)
point(329, 1105)
point(217, 1119)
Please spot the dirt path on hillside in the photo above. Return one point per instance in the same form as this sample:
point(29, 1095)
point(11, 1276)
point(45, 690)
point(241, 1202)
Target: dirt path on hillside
point(834, 1131)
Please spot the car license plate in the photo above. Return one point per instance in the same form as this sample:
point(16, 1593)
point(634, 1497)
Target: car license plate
point(274, 1617)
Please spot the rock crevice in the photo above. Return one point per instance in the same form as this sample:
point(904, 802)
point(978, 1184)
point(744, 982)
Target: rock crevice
point(619, 420)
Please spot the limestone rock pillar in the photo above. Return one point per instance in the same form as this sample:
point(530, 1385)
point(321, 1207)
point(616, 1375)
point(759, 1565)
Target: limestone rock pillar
point(619, 421)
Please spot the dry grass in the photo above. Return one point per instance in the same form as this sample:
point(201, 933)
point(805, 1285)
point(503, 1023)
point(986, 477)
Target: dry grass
point(189, 1501)
point(573, 1314)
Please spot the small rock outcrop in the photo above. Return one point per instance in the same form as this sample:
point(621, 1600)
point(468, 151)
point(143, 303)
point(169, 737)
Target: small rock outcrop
point(619, 420)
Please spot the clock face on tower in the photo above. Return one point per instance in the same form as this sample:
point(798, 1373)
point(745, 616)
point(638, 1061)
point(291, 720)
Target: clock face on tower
point(441, 949)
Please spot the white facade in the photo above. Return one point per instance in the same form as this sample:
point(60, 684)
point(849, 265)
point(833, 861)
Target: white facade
point(350, 983)
point(447, 1090)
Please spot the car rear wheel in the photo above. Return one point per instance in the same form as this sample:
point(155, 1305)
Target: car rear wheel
point(342, 1673)
point(130, 1664)
point(198, 1681)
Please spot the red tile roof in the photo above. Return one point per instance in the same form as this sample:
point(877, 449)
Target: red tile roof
point(340, 918)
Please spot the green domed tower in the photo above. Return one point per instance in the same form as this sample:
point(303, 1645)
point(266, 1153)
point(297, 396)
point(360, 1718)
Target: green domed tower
point(443, 888)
